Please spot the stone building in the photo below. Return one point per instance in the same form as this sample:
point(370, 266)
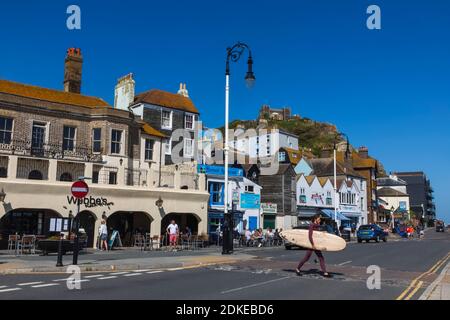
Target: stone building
point(50, 138)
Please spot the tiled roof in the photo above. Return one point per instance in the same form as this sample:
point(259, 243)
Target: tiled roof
point(44, 94)
point(323, 181)
point(151, 131)
point(324, 167)
point(359, 162)
point(166, 99)
point(310, 179)
point(294, 155)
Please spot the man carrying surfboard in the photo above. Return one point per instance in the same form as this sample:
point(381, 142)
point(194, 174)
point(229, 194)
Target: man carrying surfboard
point(314, 226)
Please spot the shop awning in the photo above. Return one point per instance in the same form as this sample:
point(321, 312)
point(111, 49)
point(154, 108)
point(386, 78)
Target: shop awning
point(351, 214)
point(330, 214)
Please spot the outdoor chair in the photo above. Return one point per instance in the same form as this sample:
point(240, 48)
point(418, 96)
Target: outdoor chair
point(13, 242)
point(147, 241)
point(156, 243)
point(28, 244)
point(139, 241)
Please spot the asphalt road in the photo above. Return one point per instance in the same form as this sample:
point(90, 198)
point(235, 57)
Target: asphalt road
point(267, 277)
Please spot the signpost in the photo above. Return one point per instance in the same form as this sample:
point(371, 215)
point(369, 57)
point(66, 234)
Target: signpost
point(79, 191)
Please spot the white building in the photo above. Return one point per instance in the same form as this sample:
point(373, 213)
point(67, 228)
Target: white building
point(393, 194)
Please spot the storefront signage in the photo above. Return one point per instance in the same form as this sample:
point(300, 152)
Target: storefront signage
point(269, 208)
point(402, 206)
point(90, 202)
point(219, 170)
point(59, 224)
point(250, 201)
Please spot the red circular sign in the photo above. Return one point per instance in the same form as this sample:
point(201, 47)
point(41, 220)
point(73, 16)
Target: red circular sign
point(79, 189)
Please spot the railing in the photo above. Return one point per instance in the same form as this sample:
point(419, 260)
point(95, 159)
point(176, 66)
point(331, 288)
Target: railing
point(49, 151)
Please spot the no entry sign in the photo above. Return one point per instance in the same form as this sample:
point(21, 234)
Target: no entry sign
point(79, 189)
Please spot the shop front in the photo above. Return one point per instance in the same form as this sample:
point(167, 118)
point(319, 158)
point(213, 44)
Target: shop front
point(215, 222)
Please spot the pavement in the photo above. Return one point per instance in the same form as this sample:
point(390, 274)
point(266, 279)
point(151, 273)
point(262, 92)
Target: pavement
point(407, 270)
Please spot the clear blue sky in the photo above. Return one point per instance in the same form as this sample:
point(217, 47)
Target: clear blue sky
point(388, 90)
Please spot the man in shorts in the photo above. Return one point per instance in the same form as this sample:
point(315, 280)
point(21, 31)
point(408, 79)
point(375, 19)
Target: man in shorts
point(173, 231)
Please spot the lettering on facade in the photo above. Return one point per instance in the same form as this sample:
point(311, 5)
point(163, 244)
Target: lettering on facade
point(90, 202)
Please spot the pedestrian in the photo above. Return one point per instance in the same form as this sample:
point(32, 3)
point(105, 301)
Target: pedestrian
point(314, 226)
point(173, 231)
point(103, 231)
point(248, 237)
point(187, 231)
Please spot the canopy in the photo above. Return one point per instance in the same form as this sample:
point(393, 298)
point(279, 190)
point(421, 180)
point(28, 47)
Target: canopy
point(330, 213)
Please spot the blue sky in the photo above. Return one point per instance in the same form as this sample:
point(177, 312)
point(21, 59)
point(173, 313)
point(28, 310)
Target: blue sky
point(387, 89)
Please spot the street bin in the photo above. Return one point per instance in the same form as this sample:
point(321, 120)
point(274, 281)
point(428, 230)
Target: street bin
point(346, 235)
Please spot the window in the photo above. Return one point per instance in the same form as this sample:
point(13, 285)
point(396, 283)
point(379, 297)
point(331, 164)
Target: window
point(38, 138)
point(362, 203)
point(5, 130)
point(35, 175)
point(188, 149)
point(116, 141)
point(250, 189)
point(216, 196)
point(95, 175)
point(68, 138)
point(149, 149)
point(168, 147)
point(189, 121)
point(3, 172)
point(166, 119)
point(112, 177)
point(282, 156)
point(66, 177)
point(97, 140)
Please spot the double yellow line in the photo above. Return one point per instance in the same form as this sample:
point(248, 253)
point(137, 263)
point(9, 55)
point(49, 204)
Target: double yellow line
point(416, 284)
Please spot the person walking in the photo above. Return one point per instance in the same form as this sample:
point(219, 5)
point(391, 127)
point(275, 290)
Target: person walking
point(103, 235)
point(314, 226)
point(173, 231)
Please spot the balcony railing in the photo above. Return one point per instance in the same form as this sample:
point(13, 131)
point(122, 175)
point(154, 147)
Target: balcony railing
point(49, 151)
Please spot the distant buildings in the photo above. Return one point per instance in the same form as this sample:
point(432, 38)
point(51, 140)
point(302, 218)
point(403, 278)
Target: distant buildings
point(421, 194)
point(393, 197)
point(268, 113)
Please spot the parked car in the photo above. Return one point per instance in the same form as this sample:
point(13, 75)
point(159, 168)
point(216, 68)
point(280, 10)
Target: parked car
point(440, 227)
point(371, 232)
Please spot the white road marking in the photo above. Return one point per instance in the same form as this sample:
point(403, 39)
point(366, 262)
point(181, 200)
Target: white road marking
point(145, 270)
point(46, 285)
point(175, 269)
point(1, 287)
point(106, 278)
point(94, 276)
point(344, 263)
point(132, 274)
point(78, 281)
point(30, 283)
point(11, 289)
point(157, 271)
point(59, 280)
point(117, 273)
point(255, 285)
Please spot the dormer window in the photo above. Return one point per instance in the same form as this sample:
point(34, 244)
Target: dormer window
point(166, 119)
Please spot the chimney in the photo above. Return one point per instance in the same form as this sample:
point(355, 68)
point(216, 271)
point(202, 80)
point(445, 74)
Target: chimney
point(363, 152)
point(325, 153)
point(72, 70)
point(124, 92)
point(183, 91)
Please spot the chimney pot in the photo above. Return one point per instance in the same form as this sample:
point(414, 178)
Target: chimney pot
point(73, 70)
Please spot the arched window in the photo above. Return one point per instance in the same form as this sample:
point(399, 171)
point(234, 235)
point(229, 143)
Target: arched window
point(3, 172)
point(35, 175)
point(66, 177)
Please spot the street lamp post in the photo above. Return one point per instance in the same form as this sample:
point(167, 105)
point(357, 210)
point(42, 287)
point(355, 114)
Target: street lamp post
point(335, 174)
point(233, 54)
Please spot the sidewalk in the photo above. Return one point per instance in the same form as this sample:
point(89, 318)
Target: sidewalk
point(120, 260)
point(440, 288)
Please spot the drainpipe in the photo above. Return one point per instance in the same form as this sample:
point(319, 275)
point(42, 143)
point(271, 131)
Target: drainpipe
point(160, 163)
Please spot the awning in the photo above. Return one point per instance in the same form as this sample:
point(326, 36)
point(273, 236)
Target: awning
point(330, 214)
point(351, 214)
point(306, 212)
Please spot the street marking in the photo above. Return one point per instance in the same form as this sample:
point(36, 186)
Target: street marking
point(419, 285)
point(344, 263)
point(434, 268)
point(175, 269)
point(255, 285)
point(1, 287)
point(106, 278)
point(11, 289)
point(94, 276)
point(46, 285)
point(59, 280)
point(78, 281)
point(157, 271)
point(117, 273)
point(132, 274)
point(30, 283)
point(144, 270)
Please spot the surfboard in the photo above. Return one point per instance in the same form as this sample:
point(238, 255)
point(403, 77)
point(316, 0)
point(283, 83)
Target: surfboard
point(323, 241)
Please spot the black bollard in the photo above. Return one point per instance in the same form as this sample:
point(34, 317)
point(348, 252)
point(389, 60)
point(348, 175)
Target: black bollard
point(59, 263)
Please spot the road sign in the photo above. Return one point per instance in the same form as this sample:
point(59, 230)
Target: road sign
point(79, 189)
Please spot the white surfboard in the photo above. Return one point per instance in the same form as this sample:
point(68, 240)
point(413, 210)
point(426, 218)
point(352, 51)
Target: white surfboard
point(323, 241)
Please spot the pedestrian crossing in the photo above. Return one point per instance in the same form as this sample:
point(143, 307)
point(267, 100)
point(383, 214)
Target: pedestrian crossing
point(89, 278)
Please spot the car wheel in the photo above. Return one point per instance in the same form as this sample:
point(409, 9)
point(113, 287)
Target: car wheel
point(359, 240)
point(377, 239)
point(367, 241)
